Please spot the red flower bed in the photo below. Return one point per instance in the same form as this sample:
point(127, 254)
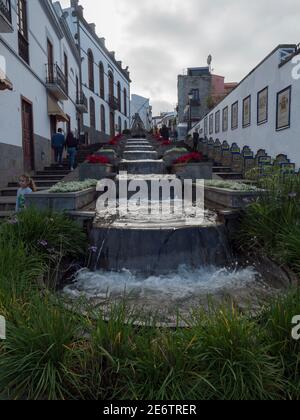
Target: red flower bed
point(189, 158)
point(115, 140)
point(102, 160)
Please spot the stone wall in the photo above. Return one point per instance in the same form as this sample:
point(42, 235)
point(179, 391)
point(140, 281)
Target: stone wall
point(11, 163)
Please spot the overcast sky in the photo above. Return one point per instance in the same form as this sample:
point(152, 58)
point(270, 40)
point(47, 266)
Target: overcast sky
point(158, 39)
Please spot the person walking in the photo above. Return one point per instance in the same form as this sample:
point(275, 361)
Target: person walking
point(165, 133)
point(195, 141)
point(72, 147)
point(58, 143)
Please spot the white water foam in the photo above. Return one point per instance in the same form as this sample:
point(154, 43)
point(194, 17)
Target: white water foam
point(174, 287)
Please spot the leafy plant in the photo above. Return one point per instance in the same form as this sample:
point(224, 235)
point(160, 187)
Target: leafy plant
point(95, 159)
point(74, 186)
point(194, 157)
point(40, 355)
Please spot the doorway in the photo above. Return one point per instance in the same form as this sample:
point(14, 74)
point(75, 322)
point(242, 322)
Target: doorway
point(28, 138)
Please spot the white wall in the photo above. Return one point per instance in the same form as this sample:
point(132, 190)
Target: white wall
point(263, 136)
point(87, 42)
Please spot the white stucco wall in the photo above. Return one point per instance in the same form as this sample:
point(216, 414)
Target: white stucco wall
point(87, 41)
point(263, 136)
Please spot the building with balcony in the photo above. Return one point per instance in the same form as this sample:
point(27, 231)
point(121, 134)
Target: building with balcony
point(54, 72)
point(39, 84)
point(105, 83)
point(198, 91)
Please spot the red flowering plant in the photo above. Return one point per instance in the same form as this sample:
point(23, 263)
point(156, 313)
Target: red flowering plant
point(115, 140)
point(166, 143)
point(101, 160)
point(194, 157)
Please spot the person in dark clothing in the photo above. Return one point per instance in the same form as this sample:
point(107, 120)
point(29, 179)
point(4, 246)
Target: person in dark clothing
point(164, 132)
point(72, 147)
point(195, 141)
point(57, 143)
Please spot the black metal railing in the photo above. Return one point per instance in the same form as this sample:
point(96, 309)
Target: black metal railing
point(81, 99)
point(113, 102)
point(55, 76)
point(5, 9)
point(23, 47)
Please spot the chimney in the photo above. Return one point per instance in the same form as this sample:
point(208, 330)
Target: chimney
point(93, 27)
point(113, 54)
point(102, 40)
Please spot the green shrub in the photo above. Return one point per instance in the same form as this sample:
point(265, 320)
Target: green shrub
point(19, 274)
point(276, 321)
point(47, 233)
point(237, 362)
point(40, 356)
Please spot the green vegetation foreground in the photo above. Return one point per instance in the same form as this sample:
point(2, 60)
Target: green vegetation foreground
point(52, 352)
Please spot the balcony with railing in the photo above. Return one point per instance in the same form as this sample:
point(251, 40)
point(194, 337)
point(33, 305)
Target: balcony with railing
point(113, 102)
point(56, 82)
point(5, 16)
point(82, 103)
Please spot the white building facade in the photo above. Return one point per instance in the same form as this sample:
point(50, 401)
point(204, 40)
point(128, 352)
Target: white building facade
point(41, 62)
point(263, 111)
point(105, 83)
point(54, 72)
point(140, 105)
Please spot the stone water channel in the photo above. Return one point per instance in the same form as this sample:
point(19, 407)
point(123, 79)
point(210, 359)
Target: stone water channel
point(166, 263)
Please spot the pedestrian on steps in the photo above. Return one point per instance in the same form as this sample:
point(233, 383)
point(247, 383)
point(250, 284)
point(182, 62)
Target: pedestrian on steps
point(58, 143)
point(165, 133)
point(72, 147)
point(27, 186)
point(195, 141)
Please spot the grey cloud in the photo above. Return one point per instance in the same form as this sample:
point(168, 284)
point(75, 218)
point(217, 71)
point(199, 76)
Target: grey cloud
point(158, 39)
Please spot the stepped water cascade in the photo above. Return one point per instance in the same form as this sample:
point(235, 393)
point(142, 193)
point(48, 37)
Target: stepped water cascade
point(162, 260)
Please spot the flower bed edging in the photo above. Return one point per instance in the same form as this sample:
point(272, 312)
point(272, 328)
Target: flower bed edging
point(94, 171)
point(61, 202)
point(199, 170)
point(230, 198)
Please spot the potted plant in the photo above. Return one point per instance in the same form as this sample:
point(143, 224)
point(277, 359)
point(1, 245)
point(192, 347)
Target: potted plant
point(95, 167)
point(192, 166)
point(173, 154)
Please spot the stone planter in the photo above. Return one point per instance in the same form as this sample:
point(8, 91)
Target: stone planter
point(169, 158)
point(229, 198)
point(112, 156)
point(61, 202)
point(199, 170)
point(94, 171)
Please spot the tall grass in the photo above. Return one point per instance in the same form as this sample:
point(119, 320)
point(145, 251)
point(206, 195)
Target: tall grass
point(276, 322)
point(272, 224)
point(52, 237)
point(39, 357)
